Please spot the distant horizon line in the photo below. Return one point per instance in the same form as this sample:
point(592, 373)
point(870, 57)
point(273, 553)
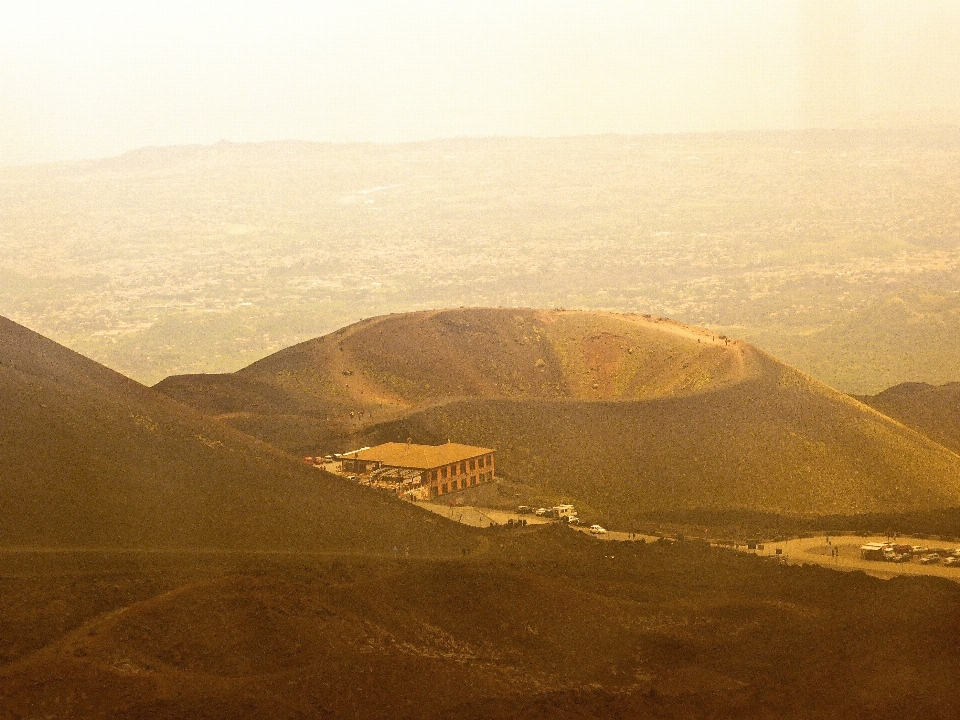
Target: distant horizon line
point(882, 129)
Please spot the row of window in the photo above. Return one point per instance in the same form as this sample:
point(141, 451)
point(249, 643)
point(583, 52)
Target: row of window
point(461, 468)
point(461, 484)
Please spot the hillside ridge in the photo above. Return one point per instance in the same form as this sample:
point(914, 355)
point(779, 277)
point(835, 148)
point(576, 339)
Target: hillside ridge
point(625, 413)
point(89, 458)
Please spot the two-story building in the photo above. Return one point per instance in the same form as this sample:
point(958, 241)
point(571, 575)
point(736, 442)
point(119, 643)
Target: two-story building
point(442, 468)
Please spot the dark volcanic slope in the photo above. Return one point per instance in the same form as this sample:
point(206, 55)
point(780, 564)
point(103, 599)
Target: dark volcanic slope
point(765, 444)
point(933, 410)
point(622, 413)
point(548, 625)
point(91, 458)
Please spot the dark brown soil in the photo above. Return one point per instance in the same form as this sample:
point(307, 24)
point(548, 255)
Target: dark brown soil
point(546, 623)
point(217, 577)
point(754, 446)
point(89, 458)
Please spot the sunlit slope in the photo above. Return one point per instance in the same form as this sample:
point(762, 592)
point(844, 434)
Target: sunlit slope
point(777, 441)
point(933, 410)
point(627, 413)
point(90, 458)
point(314, 395)
point(421, 357)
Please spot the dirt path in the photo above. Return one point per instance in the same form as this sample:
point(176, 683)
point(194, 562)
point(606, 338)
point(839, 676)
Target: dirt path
point(479, 517)
point(737, 349)
point(816, 550)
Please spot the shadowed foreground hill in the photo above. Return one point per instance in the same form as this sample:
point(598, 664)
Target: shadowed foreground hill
point(933, 410)
point(623, 413)
point(548, 623)
point(91, 458)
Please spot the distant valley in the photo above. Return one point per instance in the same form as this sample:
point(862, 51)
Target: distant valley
point(837, 252)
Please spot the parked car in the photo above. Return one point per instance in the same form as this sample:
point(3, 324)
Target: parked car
point(540, 512)
point(597, 530)
point(524, 509)
point(930, 559)
point(952, 561)
point(918, 549)
point(573, 520)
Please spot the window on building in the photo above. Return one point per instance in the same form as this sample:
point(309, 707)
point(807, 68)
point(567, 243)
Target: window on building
point(446, 488)
point(473, 465)
point(443, 472)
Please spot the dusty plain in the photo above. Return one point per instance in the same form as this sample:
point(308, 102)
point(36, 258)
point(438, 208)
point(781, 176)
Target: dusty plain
point(837, 252)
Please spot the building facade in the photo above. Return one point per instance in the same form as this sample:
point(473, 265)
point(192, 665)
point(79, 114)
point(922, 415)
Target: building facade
point(442, 469)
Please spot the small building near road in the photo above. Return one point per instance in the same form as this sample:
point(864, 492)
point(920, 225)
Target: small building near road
point(440, 469)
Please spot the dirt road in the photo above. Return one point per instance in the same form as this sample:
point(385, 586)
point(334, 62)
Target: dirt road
point(817, 551)
point(479, 517)
point(798, 551)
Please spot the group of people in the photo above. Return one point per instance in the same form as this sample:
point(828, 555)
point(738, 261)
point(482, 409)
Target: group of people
point(834, 551)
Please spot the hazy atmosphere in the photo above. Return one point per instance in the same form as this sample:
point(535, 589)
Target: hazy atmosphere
point(779, 171)
point(93, 79)
point(480, 360)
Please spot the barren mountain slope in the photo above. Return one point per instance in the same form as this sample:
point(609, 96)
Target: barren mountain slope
point(414, 358)
point(622, 413)
point(777, 442)
point(933, 410)
point(91, 458)
point(549, 623)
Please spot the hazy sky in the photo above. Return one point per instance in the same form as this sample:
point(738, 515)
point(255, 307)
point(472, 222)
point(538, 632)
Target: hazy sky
point(89, 79)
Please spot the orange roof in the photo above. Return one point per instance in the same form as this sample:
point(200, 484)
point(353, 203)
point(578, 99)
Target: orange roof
point(421, 457)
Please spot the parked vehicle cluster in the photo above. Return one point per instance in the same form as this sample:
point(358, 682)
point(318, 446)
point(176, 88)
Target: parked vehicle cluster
point(889, 552)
